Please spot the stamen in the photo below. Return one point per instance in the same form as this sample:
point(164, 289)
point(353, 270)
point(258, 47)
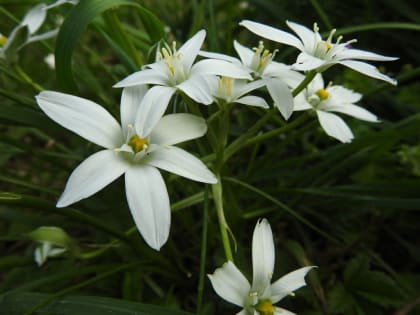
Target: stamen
point(331, 35)
point(225, 86)
point(291, 294)
point(316, 28)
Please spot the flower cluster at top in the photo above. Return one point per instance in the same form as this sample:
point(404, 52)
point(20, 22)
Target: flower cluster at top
point(145, 140)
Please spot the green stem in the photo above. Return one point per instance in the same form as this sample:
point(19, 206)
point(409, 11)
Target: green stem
point(27, 79)
point(217, 191)
point(321, 14)
point(80, 285)
point(201, 281)
point(302, 85)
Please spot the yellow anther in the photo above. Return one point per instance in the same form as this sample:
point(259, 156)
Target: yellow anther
point(328, 45)
point(291, 294)
point(322, 94)
point(265, 307)
point(3, 40)
point(138, 144)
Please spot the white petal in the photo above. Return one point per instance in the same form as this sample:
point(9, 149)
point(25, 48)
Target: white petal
point(334, 126)
point(307, 62)
point(272, 33)
point(230, 284)
point(198, 89)
point(305, 34)
point(146, 76)
point(213, 55)
point(290, 77)
point(262, 257)
point(152, 108)
point(301, 103)
point(341, 95)
point(244, 53)
point(176, 128)
point(252, 101)
point(281, 95)
point(242, 88)
point(190, 49)
point(363, 54)
point(149, 204)
point(368, 70)
point(220, 67)
point(130, 102)
point(85, 118)
point(180, 162)
point(93, 174)
point(42, 36)
point(282, 311)
point(289, 283)
point(35, 17)
point(354, 111)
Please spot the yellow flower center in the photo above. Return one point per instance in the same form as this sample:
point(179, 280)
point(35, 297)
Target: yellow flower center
point(265, 307)
point(3, 40)
point(138, 144)
point(322, 94)
point(262, 57)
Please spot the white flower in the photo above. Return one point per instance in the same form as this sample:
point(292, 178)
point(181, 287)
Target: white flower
point(24, 32)
point(258, 298)
point(277, 77)
point(230, 90)
point(175, 70)
point(142, 143)
point(318, 54)
point(333, 98)
point(45, 250)
point(50, 61)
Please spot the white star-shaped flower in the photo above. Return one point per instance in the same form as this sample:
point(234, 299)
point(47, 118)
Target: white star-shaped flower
point(144, 142)
point(319, 54)
point(277, 77)
point(175, 70)
point(333, 98)
point(260, 297)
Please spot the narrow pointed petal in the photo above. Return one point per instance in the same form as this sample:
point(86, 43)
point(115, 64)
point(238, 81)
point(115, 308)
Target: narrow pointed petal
point(307, 62)
point(334, 126)
point(364, 55)
point(252, 101)
point(198, 89)
point(146, 76)
point(190, 49)
point(244, 53)
point(35, 17)
point(42, 36)
point(289, 283)
point(176, 128)
point(243, 89)
point(152, 108)
point(262, 256)
point(130, 101)
point(230, 284)
point(220, 67)
point(305, 34)
point(149, 204)
point(281, 95)
point(213, 55)
point(85, 118)
point(282, 311)
point(93, 174)
point(354, 111)
point(367, 69)
point(341, 95)
point(272, 33)
point(180, 162)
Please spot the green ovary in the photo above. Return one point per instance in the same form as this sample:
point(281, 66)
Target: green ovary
point(265, 307)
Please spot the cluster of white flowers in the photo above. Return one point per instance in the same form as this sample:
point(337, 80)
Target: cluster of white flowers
point(145, 140)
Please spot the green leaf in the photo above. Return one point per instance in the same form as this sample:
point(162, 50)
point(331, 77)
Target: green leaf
point(17, 303)
point(75, 24)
